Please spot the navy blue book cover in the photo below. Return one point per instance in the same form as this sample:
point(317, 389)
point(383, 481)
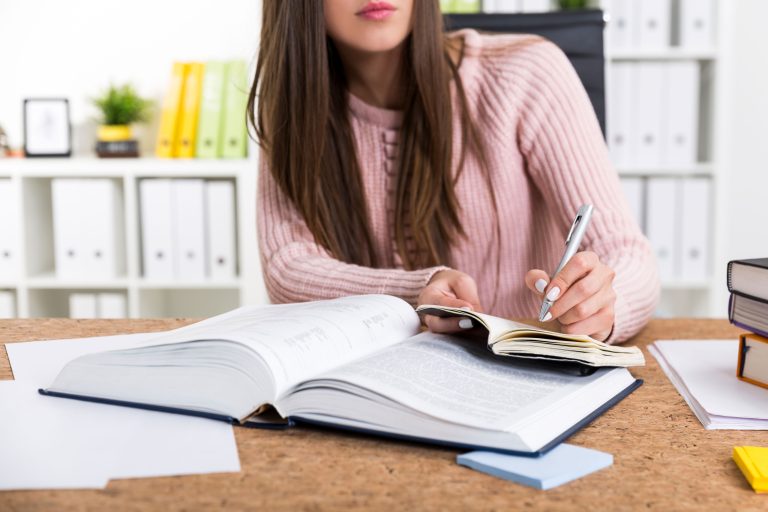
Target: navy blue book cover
point(288, 422)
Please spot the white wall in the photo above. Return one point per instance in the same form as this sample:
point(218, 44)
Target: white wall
point(744, 137)
point(75, 48)
point(748, 158)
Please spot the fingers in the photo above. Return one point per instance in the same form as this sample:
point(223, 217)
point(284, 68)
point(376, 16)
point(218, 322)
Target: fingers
point(578, 266)
point(588, 307)
point(578, 294)
point(439, 298)
point(465, 289)
point(583, 296)
point(536, 280)
point(447, 325)
point(598, 326)
point(453, 289)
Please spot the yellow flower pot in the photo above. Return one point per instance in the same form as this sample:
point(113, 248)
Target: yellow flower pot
point(114, 132)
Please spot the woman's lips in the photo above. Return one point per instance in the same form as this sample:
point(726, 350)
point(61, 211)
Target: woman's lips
point(377, 11)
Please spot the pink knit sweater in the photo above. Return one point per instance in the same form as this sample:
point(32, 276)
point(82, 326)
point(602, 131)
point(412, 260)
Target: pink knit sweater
point(546, 156)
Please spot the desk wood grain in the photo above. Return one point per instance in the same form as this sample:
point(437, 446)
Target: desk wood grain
point(663, 458)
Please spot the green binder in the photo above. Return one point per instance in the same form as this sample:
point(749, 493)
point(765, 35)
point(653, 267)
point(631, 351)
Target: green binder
point(466, 6)
point(446, 6)
point(234, 132)
point(209, 125)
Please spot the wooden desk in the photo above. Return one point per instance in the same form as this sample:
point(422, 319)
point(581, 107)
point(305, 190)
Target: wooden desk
point(663, 458)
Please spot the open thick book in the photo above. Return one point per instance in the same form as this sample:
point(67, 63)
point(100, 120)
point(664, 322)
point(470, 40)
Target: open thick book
point(508, 338)
point(358, 363)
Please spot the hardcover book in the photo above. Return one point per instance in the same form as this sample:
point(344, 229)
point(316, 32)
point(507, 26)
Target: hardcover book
point(748, 313)
point(753, 359)
point(749, 277)
point(359, 363)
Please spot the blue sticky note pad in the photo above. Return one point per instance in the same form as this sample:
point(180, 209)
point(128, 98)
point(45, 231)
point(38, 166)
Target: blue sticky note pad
point(558, 466)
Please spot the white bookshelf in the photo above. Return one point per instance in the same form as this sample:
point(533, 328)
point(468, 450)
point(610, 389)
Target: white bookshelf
point(698, 297)
point(40, 293)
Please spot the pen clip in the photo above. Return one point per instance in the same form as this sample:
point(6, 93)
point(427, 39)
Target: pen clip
point(573, 228)
point(584, 210)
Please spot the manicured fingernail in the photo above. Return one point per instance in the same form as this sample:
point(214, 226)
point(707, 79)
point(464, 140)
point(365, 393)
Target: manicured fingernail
point(466, 308)
point(540, 285)
point(548, 317)
point(465, 323)
point(553, 293)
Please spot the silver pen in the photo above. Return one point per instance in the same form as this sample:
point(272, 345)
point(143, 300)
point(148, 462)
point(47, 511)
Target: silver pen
point(572, 242)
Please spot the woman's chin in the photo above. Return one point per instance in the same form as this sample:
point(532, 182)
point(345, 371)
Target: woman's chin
point(375, 43)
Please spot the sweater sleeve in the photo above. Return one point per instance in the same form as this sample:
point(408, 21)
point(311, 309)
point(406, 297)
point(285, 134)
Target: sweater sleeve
point(297, 269)
point(568, 161)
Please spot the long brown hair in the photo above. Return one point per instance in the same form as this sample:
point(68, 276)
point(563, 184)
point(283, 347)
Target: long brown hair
point(302, 124)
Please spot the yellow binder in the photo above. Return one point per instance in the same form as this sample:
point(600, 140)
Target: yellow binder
point(169, 117)
point(190, 108)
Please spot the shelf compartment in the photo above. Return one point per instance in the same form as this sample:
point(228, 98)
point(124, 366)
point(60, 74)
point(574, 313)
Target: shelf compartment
point(90, 167)
point(666, 54)
point(39, 231)
point(700, 169)
point(9, 307)
point(49, 281)
point(186, 302)
point(146, 284)
point(682, 285)
point(54, 302)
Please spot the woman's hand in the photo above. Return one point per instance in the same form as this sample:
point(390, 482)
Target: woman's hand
point(583, 295)
point(449, 288)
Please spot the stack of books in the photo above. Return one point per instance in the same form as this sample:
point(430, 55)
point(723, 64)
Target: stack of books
point(748, 309)
point(203, 112)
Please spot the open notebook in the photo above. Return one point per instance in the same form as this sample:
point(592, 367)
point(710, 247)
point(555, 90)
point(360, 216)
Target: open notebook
point(513, 339)
point(358, 363)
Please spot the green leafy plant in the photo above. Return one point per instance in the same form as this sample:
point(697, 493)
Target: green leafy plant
point(122, 105)
point(573, 4)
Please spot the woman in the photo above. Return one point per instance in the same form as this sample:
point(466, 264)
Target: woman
point(443, 169)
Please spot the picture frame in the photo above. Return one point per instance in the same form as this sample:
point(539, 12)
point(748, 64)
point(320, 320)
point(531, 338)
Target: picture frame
point(47, 127)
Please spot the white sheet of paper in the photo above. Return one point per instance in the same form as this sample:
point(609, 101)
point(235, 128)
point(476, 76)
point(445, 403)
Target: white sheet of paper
point(48, 443)
point(39, 450)
point(708, 370)
point(41, 361)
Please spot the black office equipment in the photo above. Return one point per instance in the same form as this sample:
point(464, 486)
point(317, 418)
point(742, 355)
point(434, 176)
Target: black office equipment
point(578, 33)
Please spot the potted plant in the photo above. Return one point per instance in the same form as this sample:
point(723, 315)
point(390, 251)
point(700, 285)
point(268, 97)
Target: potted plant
point(120, 106)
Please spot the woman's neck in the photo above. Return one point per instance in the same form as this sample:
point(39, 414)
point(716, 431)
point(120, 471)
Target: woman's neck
point(375, 78)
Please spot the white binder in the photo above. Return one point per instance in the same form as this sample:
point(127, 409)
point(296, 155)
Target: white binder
point(634, 191)
point(189, 229)
point(157, 229)
point(622, 24)
point(88, 228)
point(9, 233)
point(111, 305)
point(697, 23)
point(83, 305)
point(501, 6)
point(221, 229)
point(101, 228)
point(619, 113)
point(694, 234)
point(662, 223)
point(7, 304)
point(535, 5)
point(654, 23)
point(647, 104)
point(69, 209)
point(680, 137)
